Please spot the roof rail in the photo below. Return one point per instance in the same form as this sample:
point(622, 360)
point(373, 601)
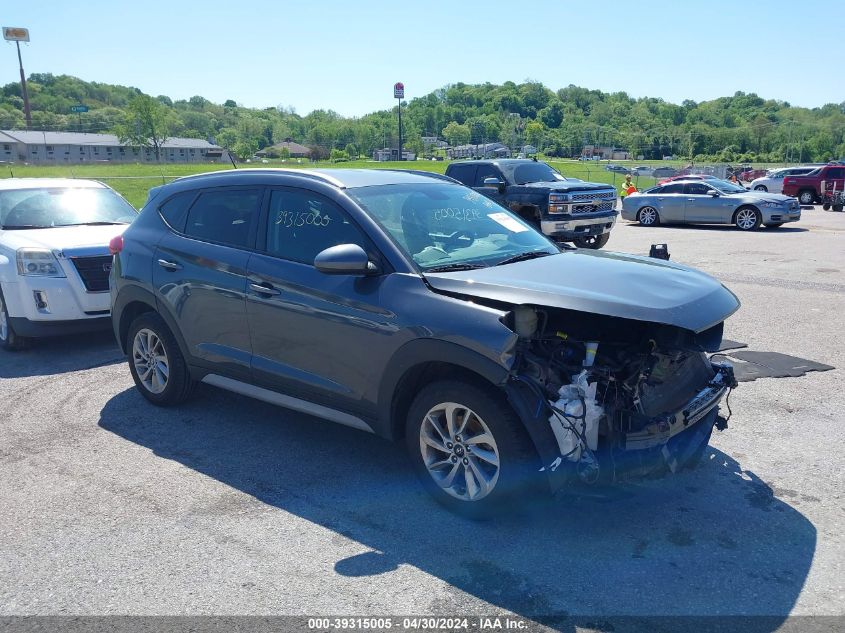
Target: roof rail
point(268, 170)
point(422, 172)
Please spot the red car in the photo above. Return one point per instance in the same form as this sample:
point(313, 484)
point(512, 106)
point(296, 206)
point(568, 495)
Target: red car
point(748, 175)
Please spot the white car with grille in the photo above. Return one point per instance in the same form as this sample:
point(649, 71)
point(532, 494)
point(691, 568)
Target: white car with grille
point(54, 256)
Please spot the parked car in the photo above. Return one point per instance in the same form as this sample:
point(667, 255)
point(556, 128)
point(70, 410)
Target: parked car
point(565, 209)
point(664, 172)
point(617, 168)
point(642, 170)
point(412, 307)
point(663, 181)
point(54, 256)
point(773, 181)
point(810, 187)
point(747, 175)
point(710, 202)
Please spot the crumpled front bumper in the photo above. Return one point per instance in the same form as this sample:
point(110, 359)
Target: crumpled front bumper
point(665, 441)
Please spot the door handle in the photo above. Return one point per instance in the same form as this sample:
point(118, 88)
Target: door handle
point(690, 199)
point(265, 290)
point(171, 266)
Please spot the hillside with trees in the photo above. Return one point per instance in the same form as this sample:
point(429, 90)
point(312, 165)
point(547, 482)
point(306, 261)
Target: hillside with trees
point(742, 127)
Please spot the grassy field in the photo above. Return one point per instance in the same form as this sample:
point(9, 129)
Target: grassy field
point(134, 180)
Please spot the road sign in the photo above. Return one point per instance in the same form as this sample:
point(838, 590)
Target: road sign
point(398, 90)
point(79, 108)
point(15, 34)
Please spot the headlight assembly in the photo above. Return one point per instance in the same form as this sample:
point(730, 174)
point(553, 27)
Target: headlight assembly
point(37, 262)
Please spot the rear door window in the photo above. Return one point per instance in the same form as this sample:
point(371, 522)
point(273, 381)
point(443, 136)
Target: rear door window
point(463, 173)
point(673, 188)
point(224, 216)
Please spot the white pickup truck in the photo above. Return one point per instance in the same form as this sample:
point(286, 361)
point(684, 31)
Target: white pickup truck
point(54, 256)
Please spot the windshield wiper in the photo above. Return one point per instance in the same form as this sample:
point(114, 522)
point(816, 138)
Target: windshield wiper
point(521, 257)
point(453, 267)
point(103, 223)
point(16, 227)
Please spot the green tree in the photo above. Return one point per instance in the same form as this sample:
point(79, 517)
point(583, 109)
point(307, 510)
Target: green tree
point(245, 149)
point(145, 124)
point(456, 134)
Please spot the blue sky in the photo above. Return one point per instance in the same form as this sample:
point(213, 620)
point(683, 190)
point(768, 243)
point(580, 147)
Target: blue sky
point(346, 55)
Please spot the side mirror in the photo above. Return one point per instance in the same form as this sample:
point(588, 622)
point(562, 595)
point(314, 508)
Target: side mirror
point(493, 182)
point(344, 259)
point(714, 193)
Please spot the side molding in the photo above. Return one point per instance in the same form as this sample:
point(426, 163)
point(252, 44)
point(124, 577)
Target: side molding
point(287, 402)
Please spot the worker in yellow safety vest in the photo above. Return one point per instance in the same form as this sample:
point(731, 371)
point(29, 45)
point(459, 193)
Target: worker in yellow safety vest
point(628, 187)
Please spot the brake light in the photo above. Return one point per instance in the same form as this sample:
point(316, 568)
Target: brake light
point(116, 245)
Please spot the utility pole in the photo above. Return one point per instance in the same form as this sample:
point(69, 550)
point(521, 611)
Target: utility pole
point(18, 35)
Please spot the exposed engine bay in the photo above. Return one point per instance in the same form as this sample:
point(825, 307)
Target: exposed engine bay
point(623, 398)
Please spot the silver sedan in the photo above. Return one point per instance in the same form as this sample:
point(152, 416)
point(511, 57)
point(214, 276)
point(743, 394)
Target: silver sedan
point(710, 202)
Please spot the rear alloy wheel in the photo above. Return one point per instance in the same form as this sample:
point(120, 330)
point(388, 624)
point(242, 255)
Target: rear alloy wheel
point(156, 362)
point(648, 216)
point(9, 340)
point(806, 197)
point(748, 219)
point(760, 188)
point(595, 242)
point(469, 449)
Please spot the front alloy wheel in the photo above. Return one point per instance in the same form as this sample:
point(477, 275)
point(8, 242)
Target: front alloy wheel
point(459, 451)
point(648, 216)
point(469, 448)
point(150, 360)
point(747, 219)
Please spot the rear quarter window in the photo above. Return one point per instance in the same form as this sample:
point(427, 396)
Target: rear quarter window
point(174, 211)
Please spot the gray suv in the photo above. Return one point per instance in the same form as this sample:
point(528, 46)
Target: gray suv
point(412, 307)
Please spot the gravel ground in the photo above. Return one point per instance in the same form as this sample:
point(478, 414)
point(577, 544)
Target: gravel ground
point(231, 506)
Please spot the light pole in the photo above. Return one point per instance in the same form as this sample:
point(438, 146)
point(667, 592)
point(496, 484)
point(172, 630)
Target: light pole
point(399, 94)
point(18, 35)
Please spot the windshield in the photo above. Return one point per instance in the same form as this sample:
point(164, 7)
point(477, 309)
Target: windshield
point(535, 172)
point(62, 206)
point(726, 187)
point(441, 225)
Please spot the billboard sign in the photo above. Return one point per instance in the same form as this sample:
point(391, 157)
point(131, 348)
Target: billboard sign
point(15, 34)
point(79, 108)
point(398, 90)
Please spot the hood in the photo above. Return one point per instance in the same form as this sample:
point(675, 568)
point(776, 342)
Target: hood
point(564, 185)
point(63, 238)
point(763, 195)
point(612, 284)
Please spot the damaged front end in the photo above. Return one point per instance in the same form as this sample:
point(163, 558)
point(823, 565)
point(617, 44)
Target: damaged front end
point(607, 399)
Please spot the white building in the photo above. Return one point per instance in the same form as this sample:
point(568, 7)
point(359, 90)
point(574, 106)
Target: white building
point(56, 148)
point(392, 153)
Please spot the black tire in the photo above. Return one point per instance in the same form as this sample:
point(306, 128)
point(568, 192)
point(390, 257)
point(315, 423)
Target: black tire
point(645, 215)
point(741, 219)
point(761, 188)
point(595, 242)
point(9, 339)
point(826, 206)
point(837, 207)
point(807, 196)
point(518, 477)
point(178, 386)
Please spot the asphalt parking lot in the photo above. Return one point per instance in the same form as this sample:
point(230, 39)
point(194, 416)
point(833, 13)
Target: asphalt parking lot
point(231, 506)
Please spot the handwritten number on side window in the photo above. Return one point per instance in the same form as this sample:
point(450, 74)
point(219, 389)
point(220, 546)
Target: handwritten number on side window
point(293, 219)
